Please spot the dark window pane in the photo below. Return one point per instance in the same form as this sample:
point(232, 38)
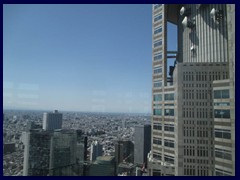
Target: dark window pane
point(226, 135)
point(217, 94)
point(225, 94)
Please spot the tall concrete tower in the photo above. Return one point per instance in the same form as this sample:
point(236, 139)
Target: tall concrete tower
point(142, 144)
point(184, 110)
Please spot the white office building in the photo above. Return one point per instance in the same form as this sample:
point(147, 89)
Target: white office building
point(52, 120)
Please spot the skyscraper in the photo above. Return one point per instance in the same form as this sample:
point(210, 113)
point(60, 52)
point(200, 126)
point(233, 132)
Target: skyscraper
point(124, 123)
point(224, 108)
point(124, 151)
point(50, 153)
point(96, 150)
point(52, 120)
point(142, 143)
point(184, 108)
point(81, 155)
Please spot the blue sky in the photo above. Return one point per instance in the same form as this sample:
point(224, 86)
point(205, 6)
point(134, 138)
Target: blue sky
point(78, 57)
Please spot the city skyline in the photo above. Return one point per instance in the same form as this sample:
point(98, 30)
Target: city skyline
point(54, 59)
point(90, 66)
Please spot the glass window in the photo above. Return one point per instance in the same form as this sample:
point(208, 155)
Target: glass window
point(157, 70)
point(217, 94)
point(169, 127)
point(220, 172)
point(157, 156)
point(158, 30)
point(223, 154)
point(222, 104)
point(157, 17)
point(157, 97)
point(221, 113)
point(221, 94)
point(157, 57)
point(223, 133)
point(157, 126)
point(157, 84)
point(158, 43)
point(157, 112)
point(169, 112)
point(225, 94)
point(169, 143)
point(169, 159)
point(157, 141)
point(169, 97)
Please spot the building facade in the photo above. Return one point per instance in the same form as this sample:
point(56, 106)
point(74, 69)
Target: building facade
point(96, 150)
point(52, 120)
point(142, 144)
point(124, 151)
point(224, 129)
point(224, 108)
point(81, 153)
point(193, 131)
point(50, 153)
point(183, 121)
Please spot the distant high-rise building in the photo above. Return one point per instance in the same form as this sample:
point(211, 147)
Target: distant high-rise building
point(82, 140)
point(81, 155)
point(124, 151)
point(96, 150)
point(192, 129)
point(50, 153)
point(52, 120)
point(142, 143)
point(124, 124)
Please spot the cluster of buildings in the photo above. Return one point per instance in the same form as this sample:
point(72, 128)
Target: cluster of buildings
point(14, 123)
point(53, 151)
point(49, 147)
point(106, 128)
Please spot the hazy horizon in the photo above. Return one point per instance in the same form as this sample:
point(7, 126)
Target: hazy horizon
point(95, 58)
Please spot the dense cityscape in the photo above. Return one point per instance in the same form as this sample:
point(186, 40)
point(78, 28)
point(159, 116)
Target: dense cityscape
point(189, 132)
point(106, 128)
